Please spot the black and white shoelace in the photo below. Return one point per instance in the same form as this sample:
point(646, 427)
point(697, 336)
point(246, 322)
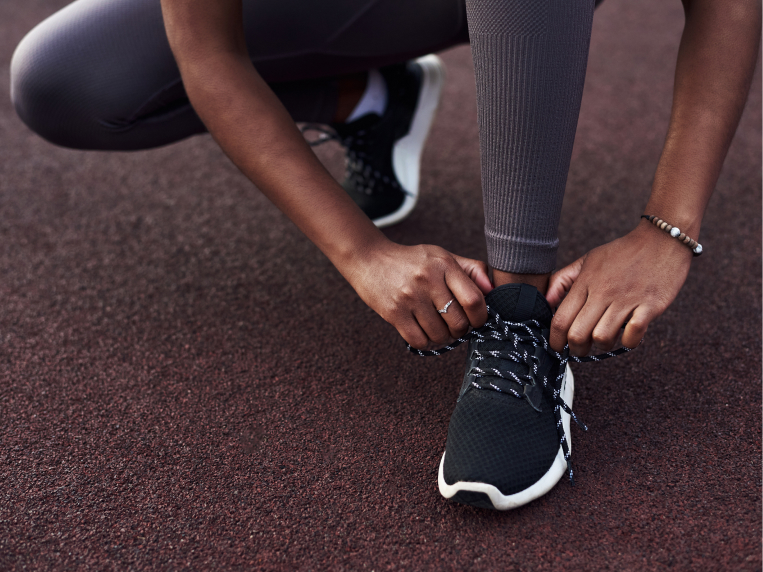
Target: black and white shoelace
point(521, 335)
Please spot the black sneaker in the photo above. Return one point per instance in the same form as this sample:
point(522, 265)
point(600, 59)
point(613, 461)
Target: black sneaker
point(384, 153)
point(509, 435)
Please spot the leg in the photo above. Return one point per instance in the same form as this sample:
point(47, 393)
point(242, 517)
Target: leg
point(530, 61)
point(509, 436)
point(100, 75)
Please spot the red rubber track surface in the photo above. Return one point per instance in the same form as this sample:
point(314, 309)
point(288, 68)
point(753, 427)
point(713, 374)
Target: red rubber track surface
point(187, 383)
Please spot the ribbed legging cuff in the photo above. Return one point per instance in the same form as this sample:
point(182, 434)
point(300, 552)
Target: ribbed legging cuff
point(520, 255)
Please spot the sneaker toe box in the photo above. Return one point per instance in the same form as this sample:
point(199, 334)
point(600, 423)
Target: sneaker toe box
point(499, 440)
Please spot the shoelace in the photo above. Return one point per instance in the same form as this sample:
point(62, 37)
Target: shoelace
point(521, 334)
point(364, 173)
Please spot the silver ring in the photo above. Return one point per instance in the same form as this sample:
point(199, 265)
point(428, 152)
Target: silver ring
point(445, 309)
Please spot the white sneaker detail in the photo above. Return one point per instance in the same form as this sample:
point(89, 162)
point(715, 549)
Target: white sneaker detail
point(406, 154)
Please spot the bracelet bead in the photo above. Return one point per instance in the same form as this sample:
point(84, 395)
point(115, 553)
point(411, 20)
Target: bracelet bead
point(676, 233)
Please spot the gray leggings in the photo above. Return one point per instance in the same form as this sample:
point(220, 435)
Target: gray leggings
point(100, 75)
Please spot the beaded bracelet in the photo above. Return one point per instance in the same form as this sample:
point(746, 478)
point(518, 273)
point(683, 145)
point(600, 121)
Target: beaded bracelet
point(673, 231)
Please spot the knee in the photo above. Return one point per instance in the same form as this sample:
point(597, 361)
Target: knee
point(45, 90)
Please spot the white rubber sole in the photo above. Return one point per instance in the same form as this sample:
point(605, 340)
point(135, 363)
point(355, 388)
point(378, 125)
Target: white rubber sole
point(406, 154)
point(546, 483)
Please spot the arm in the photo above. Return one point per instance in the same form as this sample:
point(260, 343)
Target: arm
point(636, 278)
point(404, 284)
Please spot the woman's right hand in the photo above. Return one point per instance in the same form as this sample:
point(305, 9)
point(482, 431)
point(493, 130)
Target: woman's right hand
point(407, 285)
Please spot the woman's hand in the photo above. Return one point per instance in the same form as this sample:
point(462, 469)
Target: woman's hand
point(407, 285)
point(632, 279)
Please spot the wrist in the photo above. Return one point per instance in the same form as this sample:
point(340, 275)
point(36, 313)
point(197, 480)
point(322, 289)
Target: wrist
point(674, 232)
point(688, 218)
point(661, 245)
point(357, 251)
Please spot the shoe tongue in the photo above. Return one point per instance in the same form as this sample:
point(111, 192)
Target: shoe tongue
point(519, 303)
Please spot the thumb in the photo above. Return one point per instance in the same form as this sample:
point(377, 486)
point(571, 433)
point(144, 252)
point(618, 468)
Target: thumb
point(561, 282)
point(477, 271)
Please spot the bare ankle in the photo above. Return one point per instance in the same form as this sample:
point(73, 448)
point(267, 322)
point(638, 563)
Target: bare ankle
point(540, 281)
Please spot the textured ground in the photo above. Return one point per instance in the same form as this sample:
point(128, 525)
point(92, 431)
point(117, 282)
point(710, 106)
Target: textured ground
point(186, 382)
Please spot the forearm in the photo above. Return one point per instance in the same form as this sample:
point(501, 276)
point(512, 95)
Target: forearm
point(257, 133)
point(716, 61)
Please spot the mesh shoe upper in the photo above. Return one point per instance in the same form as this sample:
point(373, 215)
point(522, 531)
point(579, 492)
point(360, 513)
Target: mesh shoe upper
point(504, 431)
point(499, 440)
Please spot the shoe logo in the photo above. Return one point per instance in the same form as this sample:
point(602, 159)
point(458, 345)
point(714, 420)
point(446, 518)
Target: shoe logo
point(534, 393)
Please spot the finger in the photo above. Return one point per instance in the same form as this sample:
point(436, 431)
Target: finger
point(561, 282)
point(565, 316)
point(635, 329)
point(455, 318)
point(433, 325)
point(468, 295)
point(413, 334)
point(476, 270)
point(579, 336)
point(607, 332)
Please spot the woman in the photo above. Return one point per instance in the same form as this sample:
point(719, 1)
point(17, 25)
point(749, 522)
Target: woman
point(132, 74)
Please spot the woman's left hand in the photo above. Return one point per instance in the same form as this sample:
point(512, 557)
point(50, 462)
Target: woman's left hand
point(632, 279)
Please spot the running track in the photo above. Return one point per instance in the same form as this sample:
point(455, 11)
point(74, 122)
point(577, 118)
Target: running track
point(187, 384)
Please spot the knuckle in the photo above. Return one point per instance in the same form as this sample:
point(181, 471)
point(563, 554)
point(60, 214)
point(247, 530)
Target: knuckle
point(577, 338)
point(459, 326)
point(405, 296)
point(472, 302)
point(441, 338)
point(391, 312)
point(638, 324)
point(557, 327)
point(443, 263)
point(421, 276)
point(601, 339)
point(609, 290)
point(418, 341)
